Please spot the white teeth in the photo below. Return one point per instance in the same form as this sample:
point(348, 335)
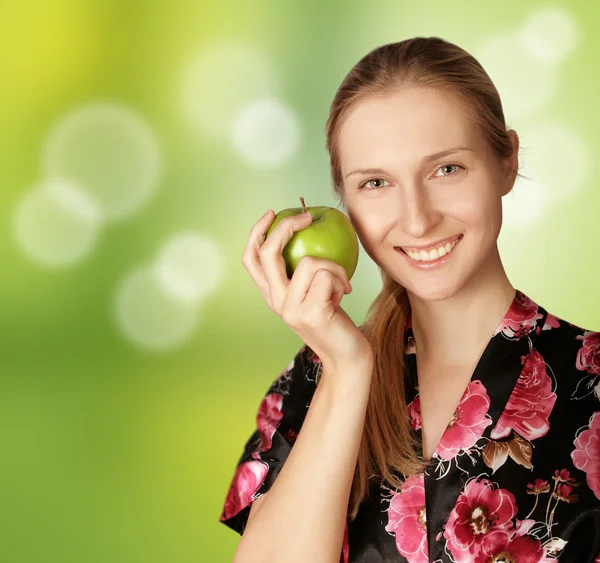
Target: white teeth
point(432, 254)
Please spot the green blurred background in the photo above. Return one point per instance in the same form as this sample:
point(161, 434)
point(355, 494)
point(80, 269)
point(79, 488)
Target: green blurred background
point(139, 143)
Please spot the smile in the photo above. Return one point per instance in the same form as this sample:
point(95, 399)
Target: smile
point(434, 257)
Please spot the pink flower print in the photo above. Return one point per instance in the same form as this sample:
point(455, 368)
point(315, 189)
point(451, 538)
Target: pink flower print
point(538, 486)
point(551, 322)
point(588, 361)
point(345, 555)
point(466, 425)
point(586, 455)
point(311, 355)
point(407, 520)
point(291, 436)
point(520, 319)
point(553, 547)
point(530, 402)
point(248, 478)
point(267, 420)
point(522, 527)
point(414, 413)
point(588, 356)
point(481, 517)
point(563, 476)
point(563, 492)
point(287, 370)
point(512, 548)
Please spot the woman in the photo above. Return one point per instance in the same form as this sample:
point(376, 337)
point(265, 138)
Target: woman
point(487, 449)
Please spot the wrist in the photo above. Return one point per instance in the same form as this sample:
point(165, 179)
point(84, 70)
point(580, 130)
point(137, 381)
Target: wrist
point(347, 379)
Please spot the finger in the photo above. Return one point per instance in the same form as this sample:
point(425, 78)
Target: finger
point(336, 300)
point(271, 257)
point(325, 293)
point(337, 296)
point(301, 285)
point(251, 258)
point(304, 273)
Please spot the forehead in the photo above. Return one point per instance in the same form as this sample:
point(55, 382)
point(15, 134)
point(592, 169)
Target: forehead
point(402, 128)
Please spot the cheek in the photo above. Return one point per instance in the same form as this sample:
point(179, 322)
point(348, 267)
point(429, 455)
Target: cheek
point(365, 224)
point(481, 210)
point(371, 235)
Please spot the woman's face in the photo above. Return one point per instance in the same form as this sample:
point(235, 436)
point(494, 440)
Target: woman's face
point(411, 200)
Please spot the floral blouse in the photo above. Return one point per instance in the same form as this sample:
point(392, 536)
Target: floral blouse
point(515, 477)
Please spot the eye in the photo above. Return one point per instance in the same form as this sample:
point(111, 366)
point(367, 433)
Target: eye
point(450, 166)
point(361, 186)
point(364, 184)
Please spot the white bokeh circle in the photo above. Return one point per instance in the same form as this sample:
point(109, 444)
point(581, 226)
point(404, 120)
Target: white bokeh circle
point(558, 158)
point(149, 317)
point(56, 223)
point(550, 34)
point(219, 80)
point(525, 206)
point(266, 132)
point(189, 266)
point(108, 150)
point(525, 85)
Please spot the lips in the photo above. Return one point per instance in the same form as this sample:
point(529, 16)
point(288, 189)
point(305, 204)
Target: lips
point(430, 264)
point(430, 247)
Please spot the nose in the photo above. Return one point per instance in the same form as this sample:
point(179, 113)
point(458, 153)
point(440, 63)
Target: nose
point(418, 215)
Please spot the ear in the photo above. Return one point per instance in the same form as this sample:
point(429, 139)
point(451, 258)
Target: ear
point(511, 164)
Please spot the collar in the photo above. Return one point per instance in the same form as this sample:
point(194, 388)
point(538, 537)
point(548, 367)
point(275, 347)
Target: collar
point(502, 361)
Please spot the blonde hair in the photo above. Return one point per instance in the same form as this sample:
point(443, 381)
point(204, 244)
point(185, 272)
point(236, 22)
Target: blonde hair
point(389, 446)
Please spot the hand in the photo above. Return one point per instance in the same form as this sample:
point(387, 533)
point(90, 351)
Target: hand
point(309, 303)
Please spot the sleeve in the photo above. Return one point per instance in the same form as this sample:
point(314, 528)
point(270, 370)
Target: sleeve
point(278, 422)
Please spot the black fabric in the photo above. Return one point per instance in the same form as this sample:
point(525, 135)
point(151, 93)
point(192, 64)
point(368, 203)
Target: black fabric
point(515, 477)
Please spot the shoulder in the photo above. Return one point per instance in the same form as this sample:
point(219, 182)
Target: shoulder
point(571, 355)
point(571, 347)
point(289, 396)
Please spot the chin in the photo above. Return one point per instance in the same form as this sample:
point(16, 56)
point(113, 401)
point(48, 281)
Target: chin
point(433, 291)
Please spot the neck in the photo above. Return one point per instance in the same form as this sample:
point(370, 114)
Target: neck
point(453, 332)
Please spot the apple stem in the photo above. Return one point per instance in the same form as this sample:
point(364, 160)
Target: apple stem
point(303, 205)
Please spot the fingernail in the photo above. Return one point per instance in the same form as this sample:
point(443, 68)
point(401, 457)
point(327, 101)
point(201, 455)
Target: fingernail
point(307, 214)
point(268, 211)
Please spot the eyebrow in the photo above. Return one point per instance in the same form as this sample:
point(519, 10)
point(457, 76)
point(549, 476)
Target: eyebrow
point(424, 160)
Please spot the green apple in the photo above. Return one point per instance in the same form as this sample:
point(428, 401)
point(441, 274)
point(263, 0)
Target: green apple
point(330, 235)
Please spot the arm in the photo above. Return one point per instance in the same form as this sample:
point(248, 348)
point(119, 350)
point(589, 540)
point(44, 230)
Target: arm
point(304, 515)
